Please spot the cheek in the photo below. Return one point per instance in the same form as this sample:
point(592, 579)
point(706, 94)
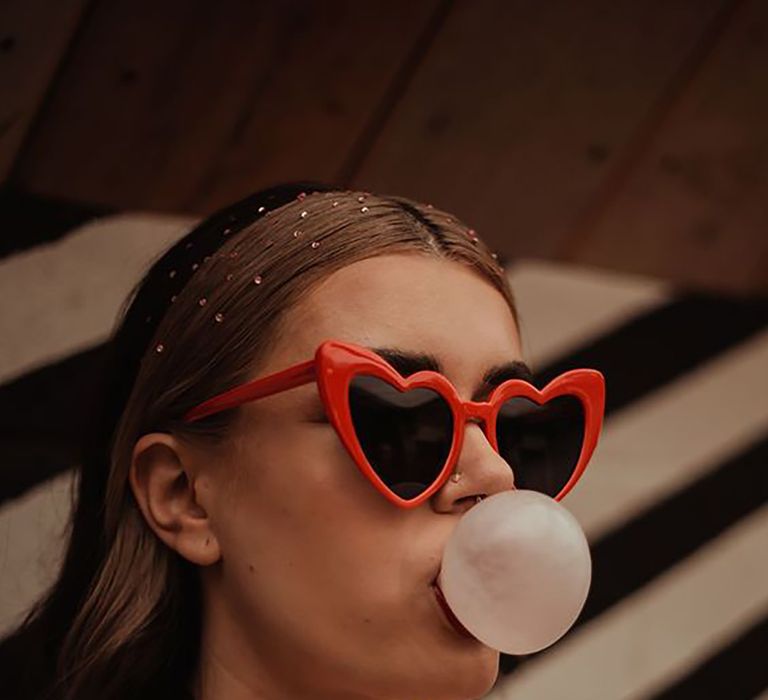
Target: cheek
point(321, 530)
point(306, 536)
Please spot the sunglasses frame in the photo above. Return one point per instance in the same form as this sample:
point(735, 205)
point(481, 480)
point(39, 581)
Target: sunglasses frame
point(337, 362)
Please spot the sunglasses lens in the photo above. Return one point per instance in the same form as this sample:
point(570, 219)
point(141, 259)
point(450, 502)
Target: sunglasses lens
point(405, 435)
point(541, 443)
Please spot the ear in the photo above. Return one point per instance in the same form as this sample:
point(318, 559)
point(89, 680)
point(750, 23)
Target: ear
point(164, 486)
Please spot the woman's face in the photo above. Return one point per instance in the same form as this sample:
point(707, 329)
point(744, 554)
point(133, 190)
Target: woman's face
point(322, 587)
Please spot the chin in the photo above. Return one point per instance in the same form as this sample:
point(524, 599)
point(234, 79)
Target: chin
point(468, 678)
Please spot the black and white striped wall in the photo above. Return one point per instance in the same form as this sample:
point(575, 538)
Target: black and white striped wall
point(673, 501)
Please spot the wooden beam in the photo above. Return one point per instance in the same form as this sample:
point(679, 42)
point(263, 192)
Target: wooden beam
point(185, 105)
point(520, 108)
point(34, 38)
point(694, 207)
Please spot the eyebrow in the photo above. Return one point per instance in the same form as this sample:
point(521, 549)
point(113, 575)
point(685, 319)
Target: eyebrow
point(406, 362)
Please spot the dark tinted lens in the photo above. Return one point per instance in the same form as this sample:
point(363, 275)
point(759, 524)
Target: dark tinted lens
point(541, 443)
point(406, 436)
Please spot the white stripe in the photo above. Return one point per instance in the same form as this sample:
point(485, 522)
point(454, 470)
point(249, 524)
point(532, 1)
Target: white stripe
point(72, 290)
point(658, 634)
point(31, 548)
point(63, 297)
point(562, 306)
point(647, 450)
point(670, 438)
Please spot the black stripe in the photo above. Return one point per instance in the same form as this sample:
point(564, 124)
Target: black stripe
point(739, 671)
point(658, 347)
point(630, 557)
point(43, 419)
point(47, 407)
point(28, 220)
point(639, 356)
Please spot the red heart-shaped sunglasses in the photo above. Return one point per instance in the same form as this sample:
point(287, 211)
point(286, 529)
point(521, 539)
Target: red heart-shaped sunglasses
point(405, 434)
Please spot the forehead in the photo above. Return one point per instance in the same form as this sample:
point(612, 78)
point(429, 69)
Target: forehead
point(412, 301)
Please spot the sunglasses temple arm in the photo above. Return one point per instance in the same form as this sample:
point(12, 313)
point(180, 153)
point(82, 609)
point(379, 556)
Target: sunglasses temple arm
point(297, 375)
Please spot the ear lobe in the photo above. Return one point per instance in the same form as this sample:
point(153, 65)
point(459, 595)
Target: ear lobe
point(165, 494)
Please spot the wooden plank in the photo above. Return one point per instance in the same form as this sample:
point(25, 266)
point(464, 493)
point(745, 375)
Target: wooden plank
point(520, 108)
point(695, 207)
point(184, 105)
point(34, 35)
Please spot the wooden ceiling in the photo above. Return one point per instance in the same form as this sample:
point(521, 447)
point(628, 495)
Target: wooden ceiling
point(623, 134)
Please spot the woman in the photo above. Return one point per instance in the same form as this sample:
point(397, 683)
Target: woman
point(246, 552)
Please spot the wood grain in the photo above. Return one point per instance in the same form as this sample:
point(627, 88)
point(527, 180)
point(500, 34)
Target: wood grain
point(34, 36)
point(185, 105)
point(695, 207)
point(519, 109)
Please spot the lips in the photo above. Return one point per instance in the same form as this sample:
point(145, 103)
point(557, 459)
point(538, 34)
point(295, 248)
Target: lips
point(463, 631)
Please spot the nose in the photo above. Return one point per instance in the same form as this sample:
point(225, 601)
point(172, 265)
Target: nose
point(484, 471)
point(481, 463)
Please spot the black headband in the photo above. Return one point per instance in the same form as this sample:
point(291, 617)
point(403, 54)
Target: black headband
point(166, 278)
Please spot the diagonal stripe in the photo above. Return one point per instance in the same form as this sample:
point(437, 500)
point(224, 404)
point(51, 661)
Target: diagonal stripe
point(658, 347)
point(43, 420)
point(628, 558)
point(563, 307)
point(669, 439)
point(38, 399)
point(31, 546)
point(28, 220)
point(676, 451)
point(644, 301)
point(632, 556)
point(36, 407)
point(661, 631)
point(737, 671)
point(53, 342)
point(60, 298)
point(627, 492)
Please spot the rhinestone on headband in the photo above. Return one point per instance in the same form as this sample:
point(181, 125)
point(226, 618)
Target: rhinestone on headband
point(236, 224)
point(201, 244)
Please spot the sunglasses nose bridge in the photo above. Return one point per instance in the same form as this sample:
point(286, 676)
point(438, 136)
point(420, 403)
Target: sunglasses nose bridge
point(476, 412)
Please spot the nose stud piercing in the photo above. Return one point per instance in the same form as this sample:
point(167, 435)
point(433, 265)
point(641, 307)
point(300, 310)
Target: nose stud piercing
point(455, 478)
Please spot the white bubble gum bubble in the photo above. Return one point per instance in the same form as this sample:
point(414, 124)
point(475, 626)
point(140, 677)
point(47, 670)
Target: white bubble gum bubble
point(516, 571)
